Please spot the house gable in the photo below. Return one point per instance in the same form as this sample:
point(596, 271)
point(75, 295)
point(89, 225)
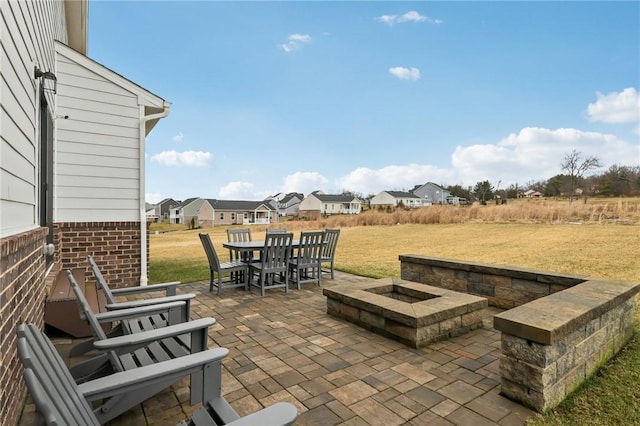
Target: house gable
point(98, 148)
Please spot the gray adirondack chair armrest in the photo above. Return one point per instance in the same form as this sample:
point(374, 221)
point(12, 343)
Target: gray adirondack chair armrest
point(281, 413)
point(146, 302)
point(143, 338)
point(126, 381)
point(120, 314)
point(169, 288)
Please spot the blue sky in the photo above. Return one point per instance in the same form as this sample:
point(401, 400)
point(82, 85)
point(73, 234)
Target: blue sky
point(287, 96)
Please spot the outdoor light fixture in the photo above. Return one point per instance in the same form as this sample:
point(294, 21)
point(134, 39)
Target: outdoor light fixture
point(48, 75)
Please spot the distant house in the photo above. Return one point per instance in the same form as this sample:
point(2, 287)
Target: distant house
point(236, 212)
point(394, 199)
point(457, 201)
point(432, 192)
point(318, 203)
point(289, 205)
point(163, 208)
point(531, 193)
point(151, 214)
point(187, 211)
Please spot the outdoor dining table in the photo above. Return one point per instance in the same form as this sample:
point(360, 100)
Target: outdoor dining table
point(252, 246)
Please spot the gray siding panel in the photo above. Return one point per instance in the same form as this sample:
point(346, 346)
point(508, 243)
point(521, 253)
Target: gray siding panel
point(27, 31)
point(98, 146)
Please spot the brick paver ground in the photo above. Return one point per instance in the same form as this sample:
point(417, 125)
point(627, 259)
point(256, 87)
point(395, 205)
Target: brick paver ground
point(284, 347)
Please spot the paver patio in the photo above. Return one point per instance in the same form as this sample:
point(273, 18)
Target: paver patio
point(285, 347)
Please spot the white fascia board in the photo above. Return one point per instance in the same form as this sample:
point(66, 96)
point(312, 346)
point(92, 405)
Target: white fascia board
point(145, 97)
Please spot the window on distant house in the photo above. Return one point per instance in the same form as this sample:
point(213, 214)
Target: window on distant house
point(221, 216)
point(233, 216)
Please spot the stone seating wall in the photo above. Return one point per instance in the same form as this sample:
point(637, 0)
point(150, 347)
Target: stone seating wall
point(558, 329)
point(504, 287)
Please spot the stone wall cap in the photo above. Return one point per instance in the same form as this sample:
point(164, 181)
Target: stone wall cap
point(494, 269)
point(549, 319)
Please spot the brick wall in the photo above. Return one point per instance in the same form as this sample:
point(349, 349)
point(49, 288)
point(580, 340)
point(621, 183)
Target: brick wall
point(115, 246)
point(22, 295)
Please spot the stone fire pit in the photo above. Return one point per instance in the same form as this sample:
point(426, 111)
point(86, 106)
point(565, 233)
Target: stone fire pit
point(412, 313)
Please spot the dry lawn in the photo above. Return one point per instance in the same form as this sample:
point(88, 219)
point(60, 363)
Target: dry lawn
point(602, 250)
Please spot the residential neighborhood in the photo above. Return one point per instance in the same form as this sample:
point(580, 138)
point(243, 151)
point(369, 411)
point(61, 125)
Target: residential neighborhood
point(199, 212)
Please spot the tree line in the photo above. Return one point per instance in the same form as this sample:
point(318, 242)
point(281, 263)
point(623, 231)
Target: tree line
point(574, 181)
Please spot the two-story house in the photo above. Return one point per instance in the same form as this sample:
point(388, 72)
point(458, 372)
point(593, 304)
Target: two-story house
point(289, 205)
point(432, 192)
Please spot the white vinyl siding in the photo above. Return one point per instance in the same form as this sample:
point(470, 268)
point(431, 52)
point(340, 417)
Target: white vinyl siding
point(310, 203)
point(27, 31)
point(97, 169)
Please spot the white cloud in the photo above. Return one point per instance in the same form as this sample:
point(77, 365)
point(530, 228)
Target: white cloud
point(295, 41)
point(153, 197)
point(616, 107)
point(535, 154)
point(305, 182)
point(531, 154)
point(411, 16)
point(403, 73)
point(186, 158)
point(237, 191)
point(403, 177)
point(178, 138)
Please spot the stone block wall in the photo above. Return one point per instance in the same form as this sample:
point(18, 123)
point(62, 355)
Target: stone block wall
point(22, 295)
point(552, 345)
point(115, 246)
point(504, 287)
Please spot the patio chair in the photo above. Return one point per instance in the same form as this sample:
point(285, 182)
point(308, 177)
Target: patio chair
point(61, 401)
point(142, 341)
point(305, 265)
point(329, 249)
point(273, 266)
point(219, 269)
point(276, 231)
point(236, 235)
point(160, 320)
point(239, 235)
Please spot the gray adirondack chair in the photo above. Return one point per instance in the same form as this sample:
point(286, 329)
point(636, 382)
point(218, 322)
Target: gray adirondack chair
point(329, 249)
point(61, 401)
point(305, 265)
point(216, 268)
point(142, 344)
point(272, 269)
point(169, 289)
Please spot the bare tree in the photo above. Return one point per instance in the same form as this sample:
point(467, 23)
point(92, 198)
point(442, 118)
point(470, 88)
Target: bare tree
point(575, 167)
